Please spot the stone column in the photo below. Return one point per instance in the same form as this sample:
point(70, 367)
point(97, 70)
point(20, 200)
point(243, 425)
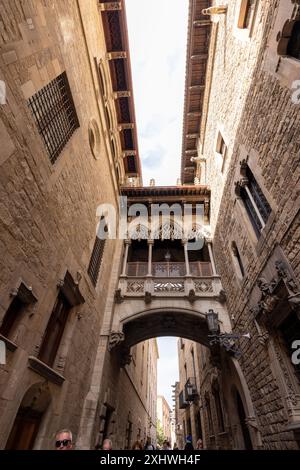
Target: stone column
point(150, 245)
point(186, 258)
point(127, 244)
point(211, 257)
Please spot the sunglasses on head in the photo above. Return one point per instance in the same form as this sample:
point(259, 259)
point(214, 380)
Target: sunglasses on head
point(64, 442)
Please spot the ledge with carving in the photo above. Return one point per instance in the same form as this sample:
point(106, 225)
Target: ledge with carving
point(280, 289)
point(115, 343)
point(150, 287)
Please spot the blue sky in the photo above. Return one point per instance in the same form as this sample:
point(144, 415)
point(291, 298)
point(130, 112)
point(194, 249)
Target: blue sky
point(157, 37)
point(167, 371)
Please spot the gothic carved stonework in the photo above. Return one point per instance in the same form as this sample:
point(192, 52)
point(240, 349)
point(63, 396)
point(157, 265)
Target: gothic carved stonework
point(269, 290)
point(283, 273)
point(192, 296)
point(126, 359)
point(115, 339)
point(203, 286)
point(169, 287)
point(263, 338)
point(222, 296)
point(135, 287)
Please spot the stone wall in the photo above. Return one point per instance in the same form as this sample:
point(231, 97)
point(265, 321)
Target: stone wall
point(48, 212)
point(261, 124)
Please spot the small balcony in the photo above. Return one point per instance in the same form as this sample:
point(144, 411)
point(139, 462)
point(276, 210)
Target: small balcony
point(191, 392)
point(166, 269)
point(182, 401)
point(169, 269)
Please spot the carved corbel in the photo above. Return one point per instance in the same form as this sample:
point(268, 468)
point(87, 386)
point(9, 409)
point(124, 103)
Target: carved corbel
point(119, 298)
point(191, 296)
point(115, 339)
point(148, 297)
point(126, 359)
point(222, 297)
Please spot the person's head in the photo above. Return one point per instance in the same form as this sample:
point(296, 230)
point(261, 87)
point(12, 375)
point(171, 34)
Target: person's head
point(166, 445)
point(199, 444)
point(137, 446)
point(107, 444)
point(64, 440)
point(175, 446)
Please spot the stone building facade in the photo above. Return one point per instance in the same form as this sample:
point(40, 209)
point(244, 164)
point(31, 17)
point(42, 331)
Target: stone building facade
point(187, 393)
point(79, 313)
point(164, 417)
point(247, 151)
point(68, 143)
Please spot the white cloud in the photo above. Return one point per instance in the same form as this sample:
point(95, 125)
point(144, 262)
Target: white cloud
point(157, 36)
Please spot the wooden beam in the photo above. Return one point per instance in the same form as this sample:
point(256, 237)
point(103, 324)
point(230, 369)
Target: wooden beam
point(110, 6)
point(200, 23)
point(192, 136)
point(199, 56)
point(116, 55)
point(196, 87)
point(126, 126)
point(122, 94)
point(129, 153)
point(194, 114)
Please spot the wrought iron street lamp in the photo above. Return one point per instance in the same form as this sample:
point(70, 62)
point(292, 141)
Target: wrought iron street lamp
point(229, 341)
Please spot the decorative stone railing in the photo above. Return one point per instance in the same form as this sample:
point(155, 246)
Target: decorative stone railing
point(169, 269)
point(209, 286)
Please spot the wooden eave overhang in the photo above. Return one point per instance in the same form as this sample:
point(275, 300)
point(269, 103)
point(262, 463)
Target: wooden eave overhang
point(116, 37)
point(178, 194)
point(199, 29)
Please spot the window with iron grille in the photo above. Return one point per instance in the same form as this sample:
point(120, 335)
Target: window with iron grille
point(95, 261)
point(54, 114)
point(256, 204)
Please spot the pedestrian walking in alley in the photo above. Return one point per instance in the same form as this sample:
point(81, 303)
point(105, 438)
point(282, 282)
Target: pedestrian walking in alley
point(64, 440)
point(148, 445)
point(166, 446)
point(137, 446)
point(199, 444)
point(107, 444)
point(188, 444)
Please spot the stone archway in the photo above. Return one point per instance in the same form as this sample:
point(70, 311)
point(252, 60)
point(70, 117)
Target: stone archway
point(243, 423)
point(29, 417)
point(177, 322)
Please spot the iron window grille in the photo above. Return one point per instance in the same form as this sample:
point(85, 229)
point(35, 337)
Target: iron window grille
point(95, 261)
point(55, 115)
point(260, 200)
